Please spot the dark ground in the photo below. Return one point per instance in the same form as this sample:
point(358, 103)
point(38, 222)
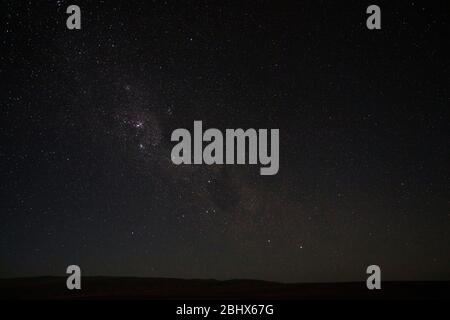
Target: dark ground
point(166, 288)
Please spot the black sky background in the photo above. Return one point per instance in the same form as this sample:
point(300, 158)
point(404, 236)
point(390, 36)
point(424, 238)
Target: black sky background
point(87, 117)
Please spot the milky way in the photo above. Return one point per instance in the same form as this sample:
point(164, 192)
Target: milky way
point(87, 116)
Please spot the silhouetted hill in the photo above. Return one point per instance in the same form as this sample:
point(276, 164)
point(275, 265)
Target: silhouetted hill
point(168, 288)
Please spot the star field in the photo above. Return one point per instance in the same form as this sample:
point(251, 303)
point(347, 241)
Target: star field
point(87, 116)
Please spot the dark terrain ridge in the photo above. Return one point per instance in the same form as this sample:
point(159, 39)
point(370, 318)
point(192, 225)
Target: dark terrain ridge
point(169, 288)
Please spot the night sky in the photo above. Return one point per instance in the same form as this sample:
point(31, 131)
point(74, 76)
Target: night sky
point(86, 173)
